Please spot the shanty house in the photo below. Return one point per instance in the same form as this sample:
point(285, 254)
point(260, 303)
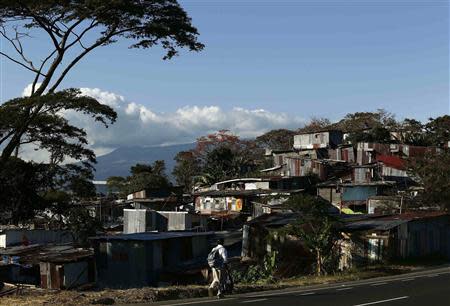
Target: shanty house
point(48, 266)
point(236, 196)
point(145, 220)
point(67, 269)
point(352, 195)
point(144, 259)
point(408, 235)
point(324, 139)
point(156, 199)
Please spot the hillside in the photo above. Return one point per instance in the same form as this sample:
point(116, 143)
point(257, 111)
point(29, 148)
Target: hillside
point(119, 161)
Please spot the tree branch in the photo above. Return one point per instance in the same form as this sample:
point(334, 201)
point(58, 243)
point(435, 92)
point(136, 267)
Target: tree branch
point(80, 56)
point(7, 136)
point(20, 63)
point(80, 36)
point(36, 79)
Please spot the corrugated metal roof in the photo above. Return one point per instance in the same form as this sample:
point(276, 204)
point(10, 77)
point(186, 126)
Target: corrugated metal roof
point(376, 225)
point(227, 193)
point(272, 169)
point(392, 161)
point(151, 236)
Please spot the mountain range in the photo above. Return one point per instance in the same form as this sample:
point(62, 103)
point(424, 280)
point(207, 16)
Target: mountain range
point(119, 161)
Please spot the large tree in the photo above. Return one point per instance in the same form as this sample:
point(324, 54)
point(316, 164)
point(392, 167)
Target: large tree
point(47, 129)
point(355, 122)
point(143, 176)
point(433, 172)
point(412, 132)
point(223, 155)
point(315, 124)
point(281, 139)
point(186, 168)
point(438, 130)
point(76, 28)
point(316, 227)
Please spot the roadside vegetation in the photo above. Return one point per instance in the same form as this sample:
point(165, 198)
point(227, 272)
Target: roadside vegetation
point(255, 282)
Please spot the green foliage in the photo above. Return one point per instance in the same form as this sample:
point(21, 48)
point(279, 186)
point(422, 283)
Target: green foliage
point(147, 177)
point(147, 22)
point(280, 139)
point(186, 168)
point(412, 132)
point(315, 124)
point(355, 122)
point(27, 188)
point(143, 176)
point(223, 155)
point(259, 273)
point(438, 130)
point(81, 224)
point(47, 129)
point(433, 173)
point(74, 29)
point(21, 184)
point(117, 184)
point(316, 227)
point(377, 134)
point(222, 163)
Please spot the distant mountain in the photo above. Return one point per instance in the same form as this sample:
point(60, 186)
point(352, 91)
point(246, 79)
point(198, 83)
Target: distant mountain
point(119, 161)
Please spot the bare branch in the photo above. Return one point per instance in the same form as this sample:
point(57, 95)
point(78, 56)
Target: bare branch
point(20, 63)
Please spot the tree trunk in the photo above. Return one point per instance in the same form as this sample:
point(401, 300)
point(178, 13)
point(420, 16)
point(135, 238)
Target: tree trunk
point(318, 263)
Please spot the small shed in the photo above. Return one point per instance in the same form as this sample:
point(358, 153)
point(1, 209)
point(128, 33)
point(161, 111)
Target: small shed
point(143, 259)
point(49, 266)
point(67, 269)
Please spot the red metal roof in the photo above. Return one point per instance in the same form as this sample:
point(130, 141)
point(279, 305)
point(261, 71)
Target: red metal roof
point(392, 161)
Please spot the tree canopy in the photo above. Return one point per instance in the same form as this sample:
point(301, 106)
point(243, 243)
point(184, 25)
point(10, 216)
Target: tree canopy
point(281, 139)
point(48, 129)
point(433, 173)
point(76, 28)
point(187, 167)
point(223, 155)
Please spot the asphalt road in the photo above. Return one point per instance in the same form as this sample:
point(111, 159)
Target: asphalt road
point(428, 287)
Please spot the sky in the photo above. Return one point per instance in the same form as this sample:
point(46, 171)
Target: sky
point(273, 64)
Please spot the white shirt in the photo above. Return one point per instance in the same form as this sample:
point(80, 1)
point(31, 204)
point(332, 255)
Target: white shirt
point(222, 252)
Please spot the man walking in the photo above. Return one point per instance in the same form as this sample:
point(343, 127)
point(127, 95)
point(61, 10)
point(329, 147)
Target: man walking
point(217, 260)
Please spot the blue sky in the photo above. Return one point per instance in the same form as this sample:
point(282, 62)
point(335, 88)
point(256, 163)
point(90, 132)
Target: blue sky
point(303, 58)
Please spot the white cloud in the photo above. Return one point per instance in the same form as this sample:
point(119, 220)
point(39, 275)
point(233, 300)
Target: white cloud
point(139, 125)
point(27, 90)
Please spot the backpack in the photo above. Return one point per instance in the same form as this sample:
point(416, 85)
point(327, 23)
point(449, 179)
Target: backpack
point(214, 259)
